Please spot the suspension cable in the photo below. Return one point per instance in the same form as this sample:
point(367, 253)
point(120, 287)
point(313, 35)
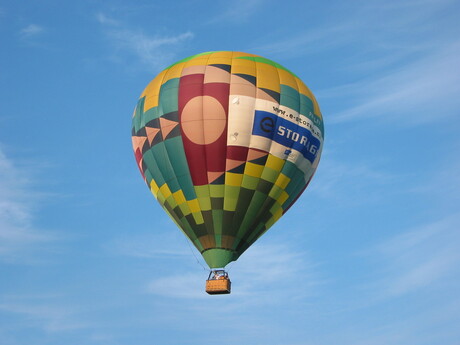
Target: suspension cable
point(193, 252)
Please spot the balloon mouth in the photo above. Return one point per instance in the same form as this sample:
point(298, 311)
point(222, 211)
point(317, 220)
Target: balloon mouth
point(219, 257)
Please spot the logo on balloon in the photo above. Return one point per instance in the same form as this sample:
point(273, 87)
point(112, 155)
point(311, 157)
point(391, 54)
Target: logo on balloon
point(267, 124)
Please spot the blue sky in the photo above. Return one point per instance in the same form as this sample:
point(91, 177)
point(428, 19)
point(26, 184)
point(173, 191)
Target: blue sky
point(368, 255)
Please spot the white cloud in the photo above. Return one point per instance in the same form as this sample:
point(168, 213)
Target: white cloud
point(423, 91)
point(349, 181)
point(106, 20)
point(17, 234)
point(236, 10)
point(264, 269)
point(154, 51)
point(173, 243)
point(424, 257)
point(401, 68)
point(31, 30)
point(150, 50)
point(45, 312)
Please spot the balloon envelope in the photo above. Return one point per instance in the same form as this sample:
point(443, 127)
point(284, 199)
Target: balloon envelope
point(226, 142)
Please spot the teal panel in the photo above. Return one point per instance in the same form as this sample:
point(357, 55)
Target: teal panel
point(290, 97)
point(150, 115)
point(179, 163)
point(152, 167)
point(306, 109)
point(138, 114)
point(168, 101)
point(164, 165)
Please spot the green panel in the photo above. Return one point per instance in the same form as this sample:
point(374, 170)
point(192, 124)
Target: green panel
point(202, 191)
point(275, 192)
point(269, 174)
point(190, 58)
point(264, 60)
point(256, 203)
point(231, 197)
point(218, 258)
point(249, 182)
point(198, 245)
point(242, 206)
point(204, 199)
point(217, 216)
point(227, 220)
point(217, 190)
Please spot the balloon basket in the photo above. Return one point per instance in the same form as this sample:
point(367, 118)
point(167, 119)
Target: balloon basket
point(218, 283)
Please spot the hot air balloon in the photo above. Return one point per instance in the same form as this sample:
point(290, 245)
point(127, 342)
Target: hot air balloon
point(226, 142)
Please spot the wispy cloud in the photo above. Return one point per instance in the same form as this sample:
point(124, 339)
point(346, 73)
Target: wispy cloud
point(151, 50)
point(353, 181)
point(267, 268)
point(106, 20)
point(400, 67)
point(237, 10)
point(147, 245)
point(31, 30)
point(421, 258)
point(17, 234)
point(43, 312)
point(426, 88)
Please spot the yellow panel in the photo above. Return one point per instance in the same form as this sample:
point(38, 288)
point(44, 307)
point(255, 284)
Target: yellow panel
point(242, 66)
point(277, 212)
point(233, 179)
point(252, 169)
point(222, 54)
point(198, 217)
point(173, 72)
point(198, 61)
point(165, 191)
point(151, 102)
point(287, 78)
point(219, 60)
point(224, 57)
point(274, 162)
point(240, 54)
point(282, 181)
point(154, 187)
point(179, 197)
point(267, 77)
point(283, 197)
point(194, 205)
point(303, 89)
point(153, 88)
